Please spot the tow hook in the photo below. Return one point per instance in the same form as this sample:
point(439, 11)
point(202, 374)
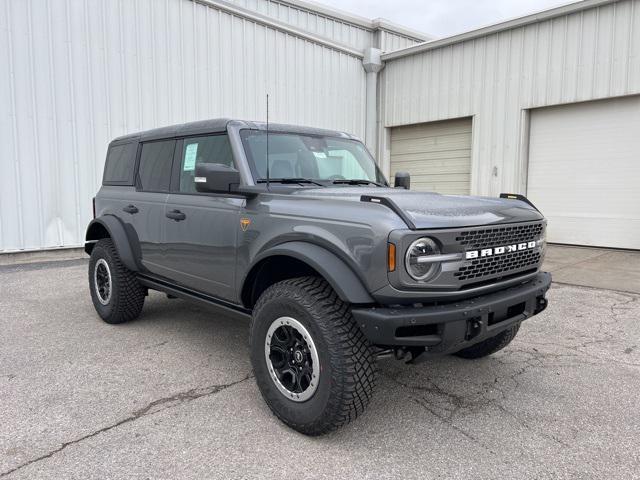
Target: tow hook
point(474, 326)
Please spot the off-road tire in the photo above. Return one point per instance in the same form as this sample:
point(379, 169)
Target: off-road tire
point(127, 295)
point(347, 363)
point(490, 345)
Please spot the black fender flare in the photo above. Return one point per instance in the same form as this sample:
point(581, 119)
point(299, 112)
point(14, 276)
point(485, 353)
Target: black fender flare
point(116, 230)
point(332, 268)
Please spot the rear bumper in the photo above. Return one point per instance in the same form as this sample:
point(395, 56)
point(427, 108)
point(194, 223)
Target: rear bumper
point(448, 328)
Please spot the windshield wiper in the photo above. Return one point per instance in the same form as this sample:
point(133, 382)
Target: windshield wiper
point(356, 181)
point(290, 181)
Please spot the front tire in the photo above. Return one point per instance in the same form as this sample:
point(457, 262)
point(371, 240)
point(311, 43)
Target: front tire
point(313, 365)
point(490, 345)
point(115, 290)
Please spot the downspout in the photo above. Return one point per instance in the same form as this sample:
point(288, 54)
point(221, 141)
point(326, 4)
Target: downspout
point(372, 64)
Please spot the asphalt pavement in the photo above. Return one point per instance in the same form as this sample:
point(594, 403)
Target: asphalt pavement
point(171, 395)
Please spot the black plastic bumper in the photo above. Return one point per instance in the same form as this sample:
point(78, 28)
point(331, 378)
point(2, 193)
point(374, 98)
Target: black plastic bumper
point(451, 327)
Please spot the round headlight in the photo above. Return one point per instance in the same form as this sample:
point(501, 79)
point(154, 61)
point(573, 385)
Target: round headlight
point(417, 262)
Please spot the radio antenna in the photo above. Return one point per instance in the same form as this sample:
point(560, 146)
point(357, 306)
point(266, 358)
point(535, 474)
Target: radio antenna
point(268, 184)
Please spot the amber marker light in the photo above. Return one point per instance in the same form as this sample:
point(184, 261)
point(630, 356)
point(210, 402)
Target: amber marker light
point(391, 257)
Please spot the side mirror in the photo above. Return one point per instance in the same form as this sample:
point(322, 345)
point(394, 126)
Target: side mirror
point(403, 180)
point(216, 178)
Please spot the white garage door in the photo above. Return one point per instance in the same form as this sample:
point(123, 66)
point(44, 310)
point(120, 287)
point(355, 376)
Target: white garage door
point(584, 171)
point(437, 155)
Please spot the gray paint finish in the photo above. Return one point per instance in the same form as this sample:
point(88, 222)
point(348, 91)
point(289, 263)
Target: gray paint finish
point(208, 250)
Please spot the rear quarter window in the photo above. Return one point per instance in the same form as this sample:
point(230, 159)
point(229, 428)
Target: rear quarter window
point(119, 167)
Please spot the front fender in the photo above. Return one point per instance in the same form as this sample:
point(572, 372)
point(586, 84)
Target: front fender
point(334, 270)
point(118, 234)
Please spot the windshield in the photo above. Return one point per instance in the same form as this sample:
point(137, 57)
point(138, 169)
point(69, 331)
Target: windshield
point(313, 158)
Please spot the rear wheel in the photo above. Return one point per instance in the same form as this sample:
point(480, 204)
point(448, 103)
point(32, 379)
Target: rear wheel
point(313, 365)
point(115, 290)
point(490, 345)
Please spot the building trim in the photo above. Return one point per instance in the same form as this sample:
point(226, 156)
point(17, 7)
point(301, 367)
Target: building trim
point(498, 27)
point(277, 25)
point(357, 20)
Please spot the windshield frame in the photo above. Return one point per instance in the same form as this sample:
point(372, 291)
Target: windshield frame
point(242, 133)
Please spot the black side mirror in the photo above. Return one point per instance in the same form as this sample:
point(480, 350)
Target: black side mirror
point(216, 178)
point(403, 180)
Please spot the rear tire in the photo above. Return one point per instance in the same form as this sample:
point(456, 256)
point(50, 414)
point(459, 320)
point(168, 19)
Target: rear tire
point(490, 345)
point(302, 324)
point(115, 290)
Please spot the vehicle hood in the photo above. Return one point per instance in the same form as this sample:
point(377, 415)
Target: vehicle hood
point(433, 210)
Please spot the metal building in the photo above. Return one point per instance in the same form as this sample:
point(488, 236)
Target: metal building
point(77, 73)
point(547, 105)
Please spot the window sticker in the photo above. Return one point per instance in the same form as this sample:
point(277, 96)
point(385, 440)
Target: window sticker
point(190, 157)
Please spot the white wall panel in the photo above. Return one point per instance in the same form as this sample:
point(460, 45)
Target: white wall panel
point(77, 73)
point(347, 33)
point(496, 78)
point(358, 34)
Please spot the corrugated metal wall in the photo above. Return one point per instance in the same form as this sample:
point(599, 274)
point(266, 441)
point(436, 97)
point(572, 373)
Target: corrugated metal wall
point(582, 56)
point(390, 41)
point(77, 73)
point(333, 28)
point(343, 32)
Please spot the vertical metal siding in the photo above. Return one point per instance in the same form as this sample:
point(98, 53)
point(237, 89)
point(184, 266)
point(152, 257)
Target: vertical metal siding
point(577, 57)
point(343, 32)
point(78, 73)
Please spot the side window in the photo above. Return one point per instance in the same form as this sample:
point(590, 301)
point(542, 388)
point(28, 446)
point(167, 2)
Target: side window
point(196, 150)
point(154, 172)
point(118, 169)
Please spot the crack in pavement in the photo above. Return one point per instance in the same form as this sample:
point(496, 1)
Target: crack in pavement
point(457, 402)
point(150, 409)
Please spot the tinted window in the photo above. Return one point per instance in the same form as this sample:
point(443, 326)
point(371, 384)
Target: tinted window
point(119, 165)
point(211, 149)
point(154, 172)
point(316, 157)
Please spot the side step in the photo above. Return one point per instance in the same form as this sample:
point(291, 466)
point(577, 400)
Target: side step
point(192, 295)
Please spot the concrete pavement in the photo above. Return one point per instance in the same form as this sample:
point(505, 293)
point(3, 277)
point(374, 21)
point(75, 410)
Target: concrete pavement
point(171, 396)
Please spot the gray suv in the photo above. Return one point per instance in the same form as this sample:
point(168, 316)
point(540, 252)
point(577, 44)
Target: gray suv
point(297, 229)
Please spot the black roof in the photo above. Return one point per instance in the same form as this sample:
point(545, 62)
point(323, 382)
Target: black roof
point(220, 125)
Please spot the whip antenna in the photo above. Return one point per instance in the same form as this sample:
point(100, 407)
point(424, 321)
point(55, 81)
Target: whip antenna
point(268, 185)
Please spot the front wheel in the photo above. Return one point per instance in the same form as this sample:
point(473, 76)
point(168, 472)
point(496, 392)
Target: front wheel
point(490, 345)
point(313, 365)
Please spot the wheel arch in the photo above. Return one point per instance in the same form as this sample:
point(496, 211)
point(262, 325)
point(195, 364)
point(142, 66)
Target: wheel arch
point(294, 259)
point(108, 226)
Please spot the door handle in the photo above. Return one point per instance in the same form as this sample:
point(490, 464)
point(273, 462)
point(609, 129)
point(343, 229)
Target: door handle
point(130, 209)
point(176, 215)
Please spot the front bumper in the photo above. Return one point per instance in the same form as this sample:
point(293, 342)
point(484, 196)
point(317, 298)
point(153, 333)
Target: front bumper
point(448, 328)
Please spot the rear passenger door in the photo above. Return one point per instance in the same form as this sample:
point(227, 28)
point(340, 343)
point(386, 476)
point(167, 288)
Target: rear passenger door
point(144, 209)
point(201, 229)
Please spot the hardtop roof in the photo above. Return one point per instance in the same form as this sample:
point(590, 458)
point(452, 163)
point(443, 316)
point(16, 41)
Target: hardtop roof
point(220, 125)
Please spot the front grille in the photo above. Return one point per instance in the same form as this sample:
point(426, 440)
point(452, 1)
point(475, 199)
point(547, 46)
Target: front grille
point(490, 237)
point(484, 267)
point(500, 265)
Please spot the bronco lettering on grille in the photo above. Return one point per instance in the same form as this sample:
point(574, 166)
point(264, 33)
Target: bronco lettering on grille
point(489, 252)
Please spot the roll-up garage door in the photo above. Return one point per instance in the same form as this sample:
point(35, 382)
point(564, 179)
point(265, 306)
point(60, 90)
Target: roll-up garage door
point(584, 171)
point(436, 154)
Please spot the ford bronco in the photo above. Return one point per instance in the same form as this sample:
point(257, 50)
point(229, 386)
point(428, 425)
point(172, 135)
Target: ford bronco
point(298, 229)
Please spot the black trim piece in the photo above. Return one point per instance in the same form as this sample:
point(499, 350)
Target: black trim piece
point(188, 294)
point(380, 324)
point(517, 196)
point(387, 202)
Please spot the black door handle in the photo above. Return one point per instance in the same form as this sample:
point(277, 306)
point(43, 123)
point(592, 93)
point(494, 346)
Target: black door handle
point(130, 209)
point(176, 215)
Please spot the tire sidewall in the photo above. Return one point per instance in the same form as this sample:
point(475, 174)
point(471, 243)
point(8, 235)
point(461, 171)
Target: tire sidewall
point(313, 409)
point(100, 252)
